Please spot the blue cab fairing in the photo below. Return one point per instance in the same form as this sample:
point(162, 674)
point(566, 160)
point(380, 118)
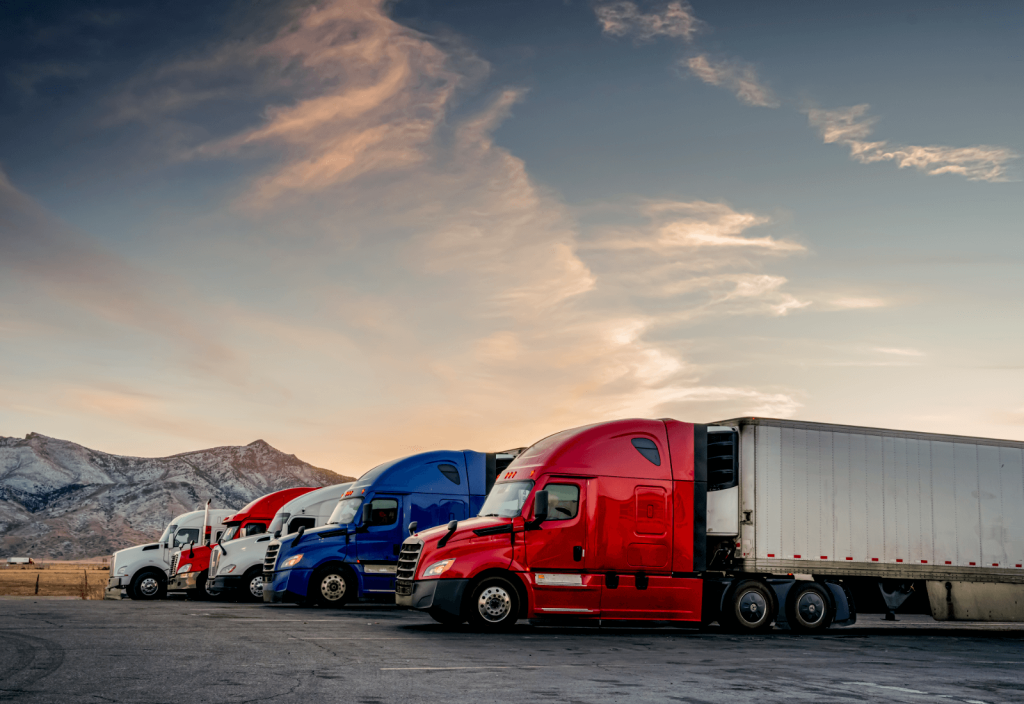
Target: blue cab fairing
point(431, 488)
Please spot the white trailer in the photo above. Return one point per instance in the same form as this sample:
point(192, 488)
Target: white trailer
point(842, 503)
point(236, 567)
point(142, 571)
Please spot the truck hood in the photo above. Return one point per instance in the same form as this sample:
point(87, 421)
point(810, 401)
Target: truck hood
point(135, 552)
point(242, 552)
point(464, 531)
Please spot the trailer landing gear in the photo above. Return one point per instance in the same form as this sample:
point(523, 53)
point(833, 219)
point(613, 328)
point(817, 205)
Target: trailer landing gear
point(894, 594)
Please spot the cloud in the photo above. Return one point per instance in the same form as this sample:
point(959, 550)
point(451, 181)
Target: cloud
point(851, 127)
point(682, 224)
point(625, 19)
point(899, 352)
point(854, 303)
point(692, 260)
point(740, 78)
point(407, 272)
point(49, 257)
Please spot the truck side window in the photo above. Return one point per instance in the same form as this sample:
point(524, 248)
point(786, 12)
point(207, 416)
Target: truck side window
point(255, 528)
point(306, 522)
point(383, 512)
point(647, 448)
point(186, 536)
point(451, 473)
point(563, 501)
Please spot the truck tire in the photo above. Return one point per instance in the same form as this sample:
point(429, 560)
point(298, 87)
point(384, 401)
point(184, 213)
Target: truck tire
point(750, 608)
point(331, 586)
point(202, 591)
point(252, 585)
point(148, 585)
point(493, 605)
point(445, 618)
point(809, 608)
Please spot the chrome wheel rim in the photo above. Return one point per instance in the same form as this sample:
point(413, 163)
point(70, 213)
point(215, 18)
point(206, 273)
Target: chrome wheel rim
point(753, 608)
point(256, 587)
point(207, 587)
point(149, 586)
point(810, 608)
point(494, 604)
point(332, 587)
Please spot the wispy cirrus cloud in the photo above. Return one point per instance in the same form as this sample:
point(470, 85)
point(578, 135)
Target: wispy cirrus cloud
point(739, 77)
point(693, 224)
point(625, 19)
point(852, 127)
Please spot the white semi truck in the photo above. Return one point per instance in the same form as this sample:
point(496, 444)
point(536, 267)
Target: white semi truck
point(236, 567)
point(142, 571)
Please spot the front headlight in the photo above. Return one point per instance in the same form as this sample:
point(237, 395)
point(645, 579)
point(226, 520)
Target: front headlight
point(184, 568)
point(227, 570)
point(291, 561)
point(439, 568)
point(121, 571)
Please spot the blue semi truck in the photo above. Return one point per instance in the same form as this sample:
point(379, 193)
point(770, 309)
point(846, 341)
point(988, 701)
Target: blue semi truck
point(355, 555)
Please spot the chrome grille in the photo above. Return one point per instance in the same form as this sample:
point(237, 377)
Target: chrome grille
point(407, 560)
point(270, 560)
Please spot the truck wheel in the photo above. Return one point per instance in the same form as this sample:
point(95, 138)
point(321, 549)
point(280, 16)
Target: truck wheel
point(202, 591)
point(331, 586)
point(493, 605)
point(148, 585)
point(445, 618)
point(252, 585)
point(809, 608)
point(751, 608)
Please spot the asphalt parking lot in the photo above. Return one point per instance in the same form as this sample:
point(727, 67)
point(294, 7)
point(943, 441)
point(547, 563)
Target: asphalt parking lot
point(178, 651)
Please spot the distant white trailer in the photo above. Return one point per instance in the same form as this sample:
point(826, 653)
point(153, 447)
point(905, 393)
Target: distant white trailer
point(20, 561)
point(844, 501)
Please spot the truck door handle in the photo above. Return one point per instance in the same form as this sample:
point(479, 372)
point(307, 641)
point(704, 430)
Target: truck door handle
point(577, 553)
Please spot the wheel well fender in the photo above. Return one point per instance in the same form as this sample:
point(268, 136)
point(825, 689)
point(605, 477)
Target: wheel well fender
point(512, 577)
point(160, 575)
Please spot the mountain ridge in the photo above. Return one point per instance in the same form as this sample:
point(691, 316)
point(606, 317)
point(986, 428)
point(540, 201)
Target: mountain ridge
point(62, 500)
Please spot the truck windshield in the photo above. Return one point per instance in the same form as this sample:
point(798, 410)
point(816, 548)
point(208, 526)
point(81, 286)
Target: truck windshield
point(345, 511)
point(506, 500)
point(229, 534)
point(279, 522)
point(168, 533)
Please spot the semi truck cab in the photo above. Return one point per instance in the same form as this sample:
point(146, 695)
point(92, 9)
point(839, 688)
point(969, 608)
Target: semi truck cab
point(236, 568)
point(189, 567)
point(355, 555)
point(142, 571)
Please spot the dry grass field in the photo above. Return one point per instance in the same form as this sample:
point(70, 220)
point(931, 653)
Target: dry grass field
point(85, 581)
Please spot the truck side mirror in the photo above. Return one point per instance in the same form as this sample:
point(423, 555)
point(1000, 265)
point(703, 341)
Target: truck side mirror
point(540, 509)
point(366, 515)
point(413, 525)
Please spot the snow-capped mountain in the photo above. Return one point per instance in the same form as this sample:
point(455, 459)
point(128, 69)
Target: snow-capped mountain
point(59, 500)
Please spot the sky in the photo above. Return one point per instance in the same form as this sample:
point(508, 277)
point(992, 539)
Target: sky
point(360, 229)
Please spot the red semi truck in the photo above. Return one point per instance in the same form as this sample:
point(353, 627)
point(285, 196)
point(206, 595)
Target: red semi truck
point(191, 565)
point(748, 522)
